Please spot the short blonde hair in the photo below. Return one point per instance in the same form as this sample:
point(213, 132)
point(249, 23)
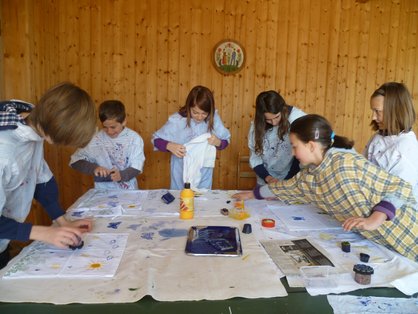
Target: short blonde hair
point(66, 114)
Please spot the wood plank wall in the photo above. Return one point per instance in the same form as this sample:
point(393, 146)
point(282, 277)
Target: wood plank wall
point(324, 56)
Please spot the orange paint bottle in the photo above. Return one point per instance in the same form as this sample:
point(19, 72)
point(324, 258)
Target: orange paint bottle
point(186, 202)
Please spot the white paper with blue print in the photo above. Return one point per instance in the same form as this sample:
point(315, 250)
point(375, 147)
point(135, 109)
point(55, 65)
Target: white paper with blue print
point(99, 257)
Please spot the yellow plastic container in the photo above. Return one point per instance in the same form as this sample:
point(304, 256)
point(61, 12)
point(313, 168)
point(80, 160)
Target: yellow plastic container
point(186, 202)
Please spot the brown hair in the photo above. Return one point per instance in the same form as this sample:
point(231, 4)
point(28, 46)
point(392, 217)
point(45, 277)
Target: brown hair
point(112, 109)
point(202, 98)
point(398, 108)
point(316, 128)
point(66, 114)
point(269, 102)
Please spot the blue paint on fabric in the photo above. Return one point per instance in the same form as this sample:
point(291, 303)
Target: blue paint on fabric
point(298, 218)
point(114, 225)
point(147, 235)
point(172, 233)
point(77, 214)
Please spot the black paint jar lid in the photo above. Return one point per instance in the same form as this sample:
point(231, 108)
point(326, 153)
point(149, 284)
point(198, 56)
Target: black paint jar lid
point(363, 269)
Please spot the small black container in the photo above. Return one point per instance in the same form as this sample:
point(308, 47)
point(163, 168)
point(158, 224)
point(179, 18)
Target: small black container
point(345, 246)
point(364, 257)
point(363, 274)
point(247, 228)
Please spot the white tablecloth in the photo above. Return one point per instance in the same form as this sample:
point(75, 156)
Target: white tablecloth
point(154, 262)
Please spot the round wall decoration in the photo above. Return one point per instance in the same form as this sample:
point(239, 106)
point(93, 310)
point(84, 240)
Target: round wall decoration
point(228, 57)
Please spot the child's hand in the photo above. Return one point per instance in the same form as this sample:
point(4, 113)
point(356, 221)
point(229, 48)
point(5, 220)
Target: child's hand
point(270, 179)
point(244, 195)
point(115, 175)
point(101, 172)
point(84, 225)
point(61, 237)
point(213, 140)
point(177, 150)
point(370, 223)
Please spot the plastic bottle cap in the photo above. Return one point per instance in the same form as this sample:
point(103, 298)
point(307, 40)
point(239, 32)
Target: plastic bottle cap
point(187, 185)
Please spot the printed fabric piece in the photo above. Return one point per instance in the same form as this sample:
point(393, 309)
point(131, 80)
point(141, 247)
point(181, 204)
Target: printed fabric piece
point(199, 154)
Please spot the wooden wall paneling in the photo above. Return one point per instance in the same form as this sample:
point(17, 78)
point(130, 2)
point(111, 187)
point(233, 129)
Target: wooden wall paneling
point(185, 48)
point(271, 46)
point(149, 176)
point(249, 90)
point(261, 44)
point(330, 106)
point(161, 63)
point(242, 103)
point(352, 52)
point(413, 59)
point(16, 55)
point(323, 56)
point(292, 54)
point(154, 110)
point(312, 86)
point(412, 43)
point(173, 57)
point(302, 54)
point(226, 108)
point(373, 62)
point(323, 20)
point(392, 45)
point(360, 104)
point(282, 39)
point(231, 154)
point(197, 76)
point(343, 54)
point(207, 39)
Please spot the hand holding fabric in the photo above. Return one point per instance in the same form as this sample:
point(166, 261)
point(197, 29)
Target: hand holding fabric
point(213, 140)
point(177, 150)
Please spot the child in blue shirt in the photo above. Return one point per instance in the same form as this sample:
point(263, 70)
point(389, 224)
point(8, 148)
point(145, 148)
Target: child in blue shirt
point(196, 117)
point(115, 155)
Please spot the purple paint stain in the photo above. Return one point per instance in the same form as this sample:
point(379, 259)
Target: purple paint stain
point(114, 225)
point(113, 196)
point(147, 235)
point(113, 204)
point(77, 214)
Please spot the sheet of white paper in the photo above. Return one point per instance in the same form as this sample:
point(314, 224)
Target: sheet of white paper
point(99, 257)
point(130, 200)
point(303, 217)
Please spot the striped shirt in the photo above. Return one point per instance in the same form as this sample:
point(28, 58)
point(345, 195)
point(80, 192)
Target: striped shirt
point(344, 185)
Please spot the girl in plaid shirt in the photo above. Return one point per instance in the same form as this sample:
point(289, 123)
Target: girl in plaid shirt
point(364, 197)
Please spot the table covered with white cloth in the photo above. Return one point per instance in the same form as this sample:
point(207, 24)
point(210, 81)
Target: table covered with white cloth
point(153, 260)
